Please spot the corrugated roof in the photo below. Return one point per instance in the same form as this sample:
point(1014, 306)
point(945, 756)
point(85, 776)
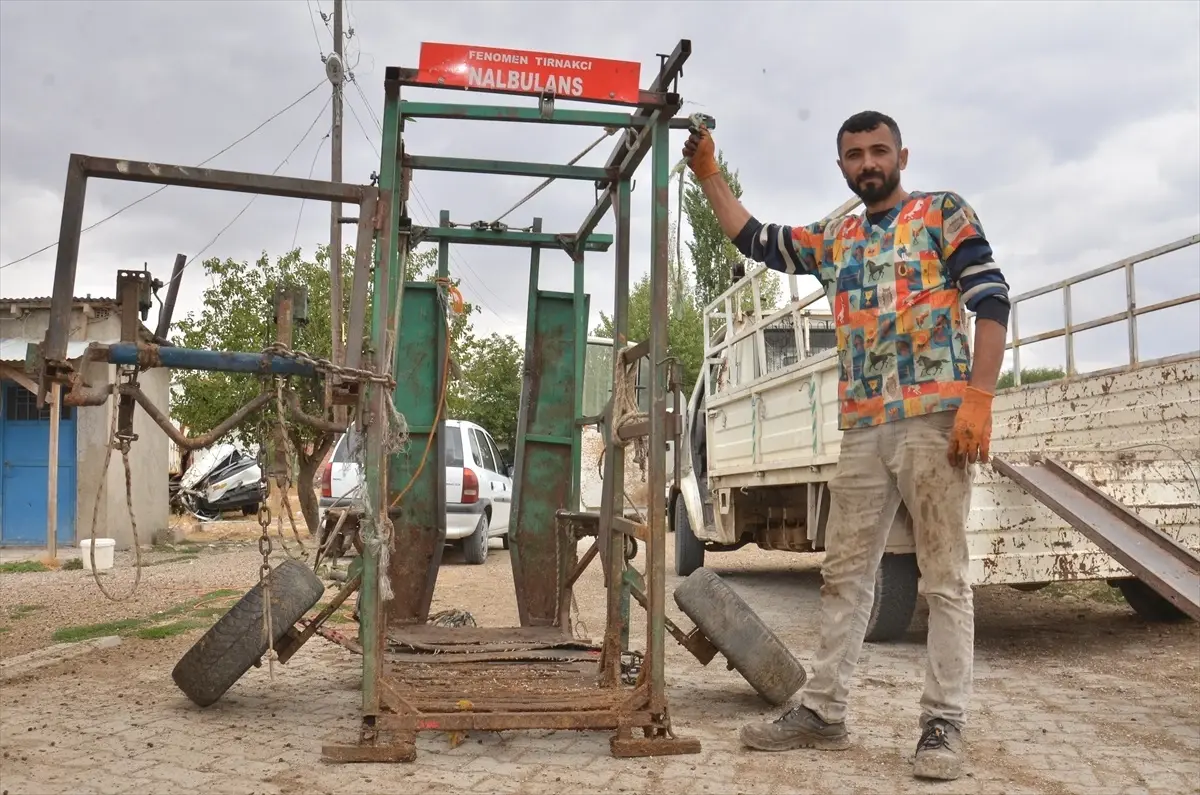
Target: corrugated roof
point(45, 299)
point(13, 349)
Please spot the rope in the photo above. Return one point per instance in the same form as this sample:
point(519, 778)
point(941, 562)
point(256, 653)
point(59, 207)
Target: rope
point(137, 547)
point(625, 408)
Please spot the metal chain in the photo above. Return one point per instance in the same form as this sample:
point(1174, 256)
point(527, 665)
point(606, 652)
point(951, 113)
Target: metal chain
point(264, 571)
point(326, 366)
point(284, 479)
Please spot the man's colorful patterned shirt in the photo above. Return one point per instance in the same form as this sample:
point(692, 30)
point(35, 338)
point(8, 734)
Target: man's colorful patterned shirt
point(898, 289)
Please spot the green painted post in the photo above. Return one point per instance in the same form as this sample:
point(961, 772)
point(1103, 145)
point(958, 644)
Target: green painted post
point(581, 332)
point(371, 624)
point(656, 561)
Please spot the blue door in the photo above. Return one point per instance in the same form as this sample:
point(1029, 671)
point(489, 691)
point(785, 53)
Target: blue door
point(25, 456)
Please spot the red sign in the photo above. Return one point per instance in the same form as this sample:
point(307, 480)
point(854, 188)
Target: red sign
point(527, 72)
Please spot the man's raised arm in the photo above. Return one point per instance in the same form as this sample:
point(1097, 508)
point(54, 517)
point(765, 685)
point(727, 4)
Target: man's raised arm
point(787, 249)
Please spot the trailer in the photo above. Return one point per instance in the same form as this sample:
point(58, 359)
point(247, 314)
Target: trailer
point(1092, 477)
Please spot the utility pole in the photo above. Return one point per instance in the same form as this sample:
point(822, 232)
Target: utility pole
point(337, 76)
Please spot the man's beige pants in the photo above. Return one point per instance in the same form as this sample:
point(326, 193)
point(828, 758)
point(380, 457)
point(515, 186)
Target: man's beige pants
point(877, 468)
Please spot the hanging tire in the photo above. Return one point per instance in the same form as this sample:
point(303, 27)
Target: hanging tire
point(738, 633)
point(895, 598)
point(236, 642)
point(689, 550)
point(1148, 603)
point(475, 546)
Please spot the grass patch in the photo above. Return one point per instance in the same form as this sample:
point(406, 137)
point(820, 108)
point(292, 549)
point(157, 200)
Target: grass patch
point(22, 567)
point(20, 611)
point(170, 630)
point(89, 631)
point(73, 564)
point(196, 613)
point(3, 630)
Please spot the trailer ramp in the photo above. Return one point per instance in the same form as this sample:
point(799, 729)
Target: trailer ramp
point(1150, 554)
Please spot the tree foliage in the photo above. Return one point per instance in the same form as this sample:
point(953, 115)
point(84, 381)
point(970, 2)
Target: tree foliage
point(713, 254)
point(685, 330)
point(1030, 375)
point(489, 390)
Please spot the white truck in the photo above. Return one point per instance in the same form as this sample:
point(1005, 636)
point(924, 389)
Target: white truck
point(761, 443)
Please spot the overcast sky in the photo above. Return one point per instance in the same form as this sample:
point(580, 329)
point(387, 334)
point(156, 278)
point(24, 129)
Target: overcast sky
point(1072, 127)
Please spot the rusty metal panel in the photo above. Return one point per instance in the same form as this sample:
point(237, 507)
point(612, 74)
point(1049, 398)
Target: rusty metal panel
point(1154, 557)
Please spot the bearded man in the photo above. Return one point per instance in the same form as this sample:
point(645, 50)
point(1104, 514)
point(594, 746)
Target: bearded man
point(914, 409)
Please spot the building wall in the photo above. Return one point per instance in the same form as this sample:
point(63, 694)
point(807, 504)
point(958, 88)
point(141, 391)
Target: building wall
point(148, 456)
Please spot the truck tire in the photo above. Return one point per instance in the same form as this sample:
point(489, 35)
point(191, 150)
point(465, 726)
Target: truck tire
point(1148, 603)
point(689, 550)
point(235, 643)
point(895, 598)
point(738, 633)
point(475, 546)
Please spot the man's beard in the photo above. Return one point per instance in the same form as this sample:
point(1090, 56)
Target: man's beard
point(887, 184)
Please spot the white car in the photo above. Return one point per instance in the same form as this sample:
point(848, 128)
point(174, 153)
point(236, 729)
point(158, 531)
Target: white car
point(478, 486)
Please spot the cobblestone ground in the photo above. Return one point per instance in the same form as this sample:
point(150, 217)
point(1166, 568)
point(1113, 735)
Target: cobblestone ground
point(1070, 698)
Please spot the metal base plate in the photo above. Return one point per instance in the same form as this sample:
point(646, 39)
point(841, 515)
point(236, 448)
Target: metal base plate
point(629, 747)
point(398, 750)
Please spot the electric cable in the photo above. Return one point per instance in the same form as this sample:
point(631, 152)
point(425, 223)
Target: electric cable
point(204, 162)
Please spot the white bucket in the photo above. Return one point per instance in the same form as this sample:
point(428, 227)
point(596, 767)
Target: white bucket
point(104, 553)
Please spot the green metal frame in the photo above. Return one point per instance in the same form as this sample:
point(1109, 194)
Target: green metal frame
point(405, 517)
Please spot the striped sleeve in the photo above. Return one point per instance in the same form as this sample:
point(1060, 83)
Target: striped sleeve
point(958, 234)
point(787, 249)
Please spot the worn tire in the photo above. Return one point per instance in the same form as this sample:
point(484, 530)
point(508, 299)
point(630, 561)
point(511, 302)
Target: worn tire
point(475, 546)
point(1148, 603)
point(895, 598)
point(233, 644)
point(747, 643)
point(689, 550)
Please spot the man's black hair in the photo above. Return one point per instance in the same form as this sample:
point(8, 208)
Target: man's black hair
point(866, 121)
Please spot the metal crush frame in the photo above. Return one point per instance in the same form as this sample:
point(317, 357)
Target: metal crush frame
point(389, 703)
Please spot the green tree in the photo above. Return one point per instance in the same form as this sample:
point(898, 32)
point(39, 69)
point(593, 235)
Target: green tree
point(713, 254)
point(489, 391)
point(1030, 375)
point(237, 315)
point(685, 330)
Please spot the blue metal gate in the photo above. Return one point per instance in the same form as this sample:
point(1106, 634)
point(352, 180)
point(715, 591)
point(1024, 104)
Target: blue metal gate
point(24, 458)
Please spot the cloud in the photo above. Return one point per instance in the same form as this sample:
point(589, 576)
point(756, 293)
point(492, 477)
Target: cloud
point(1073, 129)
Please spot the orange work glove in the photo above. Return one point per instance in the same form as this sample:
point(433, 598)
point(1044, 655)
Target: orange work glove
point(701, 154)
point(972, 433)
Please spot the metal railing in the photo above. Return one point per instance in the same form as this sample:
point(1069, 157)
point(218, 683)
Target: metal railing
point(1069, 329)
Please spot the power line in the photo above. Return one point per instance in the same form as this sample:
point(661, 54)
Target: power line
point(311, 168)
point(317, 36)
point(253, 198)
point(155, 192)
point(476, 280)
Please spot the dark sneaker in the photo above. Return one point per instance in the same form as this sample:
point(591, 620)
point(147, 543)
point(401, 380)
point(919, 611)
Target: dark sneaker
point(939, 752)
point(799, 727)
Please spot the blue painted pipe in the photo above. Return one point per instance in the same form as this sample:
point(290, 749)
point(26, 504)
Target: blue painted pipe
point(148, 356)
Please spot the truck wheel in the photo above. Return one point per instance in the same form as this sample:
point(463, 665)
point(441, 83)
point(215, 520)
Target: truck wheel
point(475, 546)
point(236, 641)
point(689, 550)
point(747, 643)
point(1148, 603)
point(895, 598)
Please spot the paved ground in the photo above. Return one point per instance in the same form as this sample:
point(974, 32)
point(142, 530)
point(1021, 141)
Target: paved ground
point(1072, 695)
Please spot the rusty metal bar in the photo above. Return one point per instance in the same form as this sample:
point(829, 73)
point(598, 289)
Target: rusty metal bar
point(177, 436)
point(671, 69)
point(1131, 312)
point(504, 721)
point(656, 561)
point(217, 179)
point(167, 312)
point(293, 642)
point(370, 218)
